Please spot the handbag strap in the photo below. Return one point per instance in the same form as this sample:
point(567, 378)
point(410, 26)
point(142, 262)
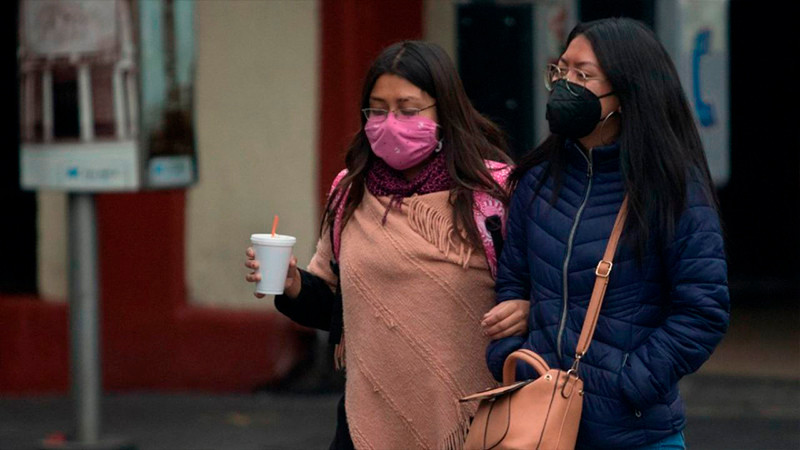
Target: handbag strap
point(602, 272)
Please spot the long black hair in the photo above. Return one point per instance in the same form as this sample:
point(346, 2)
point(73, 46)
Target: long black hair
point(468, 137)
point(660, 147)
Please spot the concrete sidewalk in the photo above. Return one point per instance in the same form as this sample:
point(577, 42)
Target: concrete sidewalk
point(181, 422)
point(724, 412)
point(747, 396)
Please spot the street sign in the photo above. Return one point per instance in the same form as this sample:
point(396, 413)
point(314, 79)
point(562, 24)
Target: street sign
point(106, 95)
point(106, 102)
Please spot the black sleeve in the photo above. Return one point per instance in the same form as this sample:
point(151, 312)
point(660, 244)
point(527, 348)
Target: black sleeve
point(313, 307)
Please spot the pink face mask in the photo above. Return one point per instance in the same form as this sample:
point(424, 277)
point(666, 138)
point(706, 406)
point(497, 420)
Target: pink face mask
point(402, 144)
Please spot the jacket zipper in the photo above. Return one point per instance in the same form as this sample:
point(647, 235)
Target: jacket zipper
point(562, 324)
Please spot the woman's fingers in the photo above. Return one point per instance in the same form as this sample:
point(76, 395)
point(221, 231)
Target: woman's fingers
point(251, 262)
point(503, 328)
point(253, 277)
point(294, 280)
point(516, 330)
point(499, 312)
point(291, 273)
point(507, 318)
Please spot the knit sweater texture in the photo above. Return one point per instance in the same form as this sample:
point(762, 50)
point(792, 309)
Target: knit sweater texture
point(413, 297)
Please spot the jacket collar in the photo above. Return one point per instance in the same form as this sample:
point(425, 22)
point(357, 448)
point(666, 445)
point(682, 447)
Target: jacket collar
point(604, 158)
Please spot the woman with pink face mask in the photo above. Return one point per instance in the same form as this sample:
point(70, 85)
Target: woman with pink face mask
point(403, 272)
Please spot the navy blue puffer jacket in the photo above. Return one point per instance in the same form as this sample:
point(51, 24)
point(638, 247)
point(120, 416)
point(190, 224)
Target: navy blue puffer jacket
point(662, 315)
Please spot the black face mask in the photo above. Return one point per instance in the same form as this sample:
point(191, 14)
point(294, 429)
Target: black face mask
point(570, 115)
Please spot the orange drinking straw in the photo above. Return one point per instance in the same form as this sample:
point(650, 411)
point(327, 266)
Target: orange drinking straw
point(274, 225)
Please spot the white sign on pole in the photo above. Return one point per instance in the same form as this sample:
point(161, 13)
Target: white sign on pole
point(106, 94)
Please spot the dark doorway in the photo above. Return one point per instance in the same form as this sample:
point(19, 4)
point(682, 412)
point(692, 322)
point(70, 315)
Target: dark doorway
point(18, 227)
point(761, 201)
point(643, 10)
point(65, 104)
point(495, 59)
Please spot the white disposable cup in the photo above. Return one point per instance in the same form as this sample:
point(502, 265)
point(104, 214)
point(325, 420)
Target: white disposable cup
point(273, 254)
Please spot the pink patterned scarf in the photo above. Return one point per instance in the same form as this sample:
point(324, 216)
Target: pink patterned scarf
point(382, 180)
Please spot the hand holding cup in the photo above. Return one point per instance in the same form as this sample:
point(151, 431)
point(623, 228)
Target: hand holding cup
point(269, 258)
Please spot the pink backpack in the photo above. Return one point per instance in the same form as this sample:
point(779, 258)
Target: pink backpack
point(485, 207)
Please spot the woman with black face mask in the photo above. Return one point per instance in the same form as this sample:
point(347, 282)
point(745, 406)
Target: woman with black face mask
point(621, 128)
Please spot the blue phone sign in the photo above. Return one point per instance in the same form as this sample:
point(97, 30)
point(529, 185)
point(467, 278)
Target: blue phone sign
point(705, 111)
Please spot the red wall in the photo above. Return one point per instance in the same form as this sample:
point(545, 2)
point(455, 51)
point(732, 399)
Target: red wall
point(353, 34)
point(34, 346)
point(151, 337)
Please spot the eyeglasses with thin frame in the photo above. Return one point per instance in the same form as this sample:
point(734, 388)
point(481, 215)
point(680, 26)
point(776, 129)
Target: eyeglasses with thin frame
point(402, 114)
point(554, 73)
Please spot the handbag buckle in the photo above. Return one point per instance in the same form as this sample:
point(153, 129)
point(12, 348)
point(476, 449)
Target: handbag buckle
point(571, 373)
point(603, 269)
point(574, 369)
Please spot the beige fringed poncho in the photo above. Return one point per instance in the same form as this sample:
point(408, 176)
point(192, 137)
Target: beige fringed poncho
point(413, 297)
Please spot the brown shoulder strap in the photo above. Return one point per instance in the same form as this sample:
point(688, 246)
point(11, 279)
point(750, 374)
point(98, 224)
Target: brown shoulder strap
point(601, 282)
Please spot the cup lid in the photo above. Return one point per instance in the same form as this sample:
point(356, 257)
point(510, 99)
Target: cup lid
point(269, 239)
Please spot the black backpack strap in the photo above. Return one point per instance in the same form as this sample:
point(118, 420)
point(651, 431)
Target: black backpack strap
point(337, 312)
point(495, 227)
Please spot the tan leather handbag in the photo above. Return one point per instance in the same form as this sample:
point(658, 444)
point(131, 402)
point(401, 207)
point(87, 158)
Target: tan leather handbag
point(545, 412)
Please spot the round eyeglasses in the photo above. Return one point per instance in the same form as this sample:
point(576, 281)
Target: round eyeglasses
point(402, 114)
point(554, 73)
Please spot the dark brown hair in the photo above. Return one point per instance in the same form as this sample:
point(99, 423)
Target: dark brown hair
point(468, 137)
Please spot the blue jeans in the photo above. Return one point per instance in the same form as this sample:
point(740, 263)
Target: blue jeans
point(674, 442)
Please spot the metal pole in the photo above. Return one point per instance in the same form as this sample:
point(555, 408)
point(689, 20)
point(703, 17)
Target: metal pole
point(83, 313)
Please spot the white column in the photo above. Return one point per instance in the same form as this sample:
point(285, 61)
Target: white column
point(85, 109)
point(120, 122)
point(127, 67)
point(47, 104)
point(133, 103)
